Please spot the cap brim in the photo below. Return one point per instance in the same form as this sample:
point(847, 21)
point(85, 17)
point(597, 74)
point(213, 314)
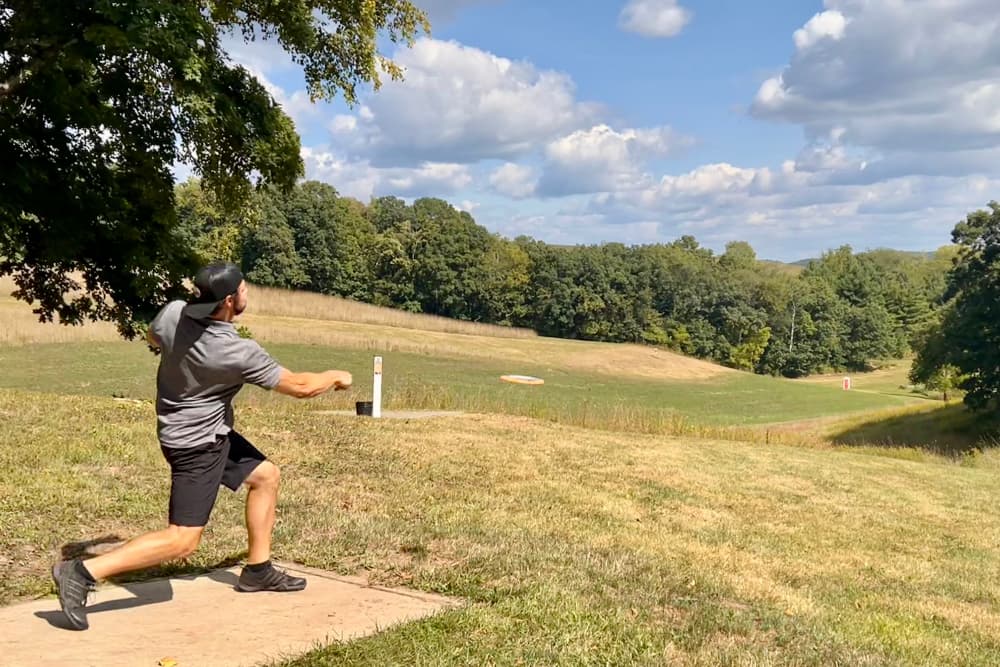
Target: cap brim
point(200, 311)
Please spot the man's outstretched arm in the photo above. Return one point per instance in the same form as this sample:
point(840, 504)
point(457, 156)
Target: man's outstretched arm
point(308, 385)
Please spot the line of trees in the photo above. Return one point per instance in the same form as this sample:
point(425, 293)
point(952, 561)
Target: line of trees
point(843, 311)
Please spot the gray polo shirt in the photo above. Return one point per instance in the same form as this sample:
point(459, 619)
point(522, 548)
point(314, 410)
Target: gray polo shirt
point(203, 365)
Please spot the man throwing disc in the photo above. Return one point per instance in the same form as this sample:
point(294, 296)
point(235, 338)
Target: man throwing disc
point(203, 364)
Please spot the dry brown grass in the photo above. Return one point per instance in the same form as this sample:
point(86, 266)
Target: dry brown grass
point(20, 326)
point(280, 316)
point(16, 328)
point(339, 323)
point(310, 306)
point(608, 358)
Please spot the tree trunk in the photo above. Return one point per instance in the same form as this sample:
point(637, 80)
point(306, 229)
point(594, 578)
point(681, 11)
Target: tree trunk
point(791, 338)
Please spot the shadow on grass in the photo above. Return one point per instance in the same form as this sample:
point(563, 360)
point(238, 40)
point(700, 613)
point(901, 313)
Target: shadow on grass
point(948, 431)
point(90, 548)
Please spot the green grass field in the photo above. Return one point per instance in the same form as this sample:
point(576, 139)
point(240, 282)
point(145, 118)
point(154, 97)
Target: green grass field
point(589, 521)
point(891, 379)
point(424, 381)
point(570, 545)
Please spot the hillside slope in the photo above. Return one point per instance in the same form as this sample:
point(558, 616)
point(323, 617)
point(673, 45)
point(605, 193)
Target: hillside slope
point(278, 316)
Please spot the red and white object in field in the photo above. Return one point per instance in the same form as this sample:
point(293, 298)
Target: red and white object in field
point(847, 384)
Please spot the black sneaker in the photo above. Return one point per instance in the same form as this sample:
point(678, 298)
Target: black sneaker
point(270, 579)
point(73, 590)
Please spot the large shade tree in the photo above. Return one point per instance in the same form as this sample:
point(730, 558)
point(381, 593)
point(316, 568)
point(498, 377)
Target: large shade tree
point(963, 349)
point(100, 99)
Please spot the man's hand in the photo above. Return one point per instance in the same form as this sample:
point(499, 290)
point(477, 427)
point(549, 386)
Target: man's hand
point(341, 380)
point(308, 385)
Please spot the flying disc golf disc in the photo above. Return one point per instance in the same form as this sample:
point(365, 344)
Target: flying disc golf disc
point(522, 379)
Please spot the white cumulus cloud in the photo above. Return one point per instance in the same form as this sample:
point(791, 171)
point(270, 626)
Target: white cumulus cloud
point(829, 24)
point(894, 75)
point(601, 158)
point(514, 180)
point(428, 177)
point(654, 18)
point(462, 104)
point(361, 180)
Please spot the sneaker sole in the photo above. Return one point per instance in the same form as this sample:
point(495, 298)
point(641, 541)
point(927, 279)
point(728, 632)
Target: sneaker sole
point(258, 589)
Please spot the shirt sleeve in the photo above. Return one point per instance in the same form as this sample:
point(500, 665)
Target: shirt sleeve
point(166, 320)
point(257, 367)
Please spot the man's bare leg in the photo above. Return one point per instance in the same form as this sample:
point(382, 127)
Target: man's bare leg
point(262, 498)
point(146, 551)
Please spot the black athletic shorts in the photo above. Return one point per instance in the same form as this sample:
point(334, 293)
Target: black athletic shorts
point(196, 474)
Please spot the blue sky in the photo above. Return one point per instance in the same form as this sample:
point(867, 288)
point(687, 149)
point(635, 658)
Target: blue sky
point(797, 126)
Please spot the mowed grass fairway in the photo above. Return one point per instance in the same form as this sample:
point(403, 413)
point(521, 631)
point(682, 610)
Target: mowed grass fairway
point(891, 379)
point(572, 546)
point(412, 380)
point(578, 525)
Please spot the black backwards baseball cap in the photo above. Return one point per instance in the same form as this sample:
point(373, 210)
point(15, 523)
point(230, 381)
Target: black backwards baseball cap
point(214, 283)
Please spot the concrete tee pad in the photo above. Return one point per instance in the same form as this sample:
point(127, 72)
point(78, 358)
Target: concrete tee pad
point(202, 621)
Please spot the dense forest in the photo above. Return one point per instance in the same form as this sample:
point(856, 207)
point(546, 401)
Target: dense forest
point(841, 312)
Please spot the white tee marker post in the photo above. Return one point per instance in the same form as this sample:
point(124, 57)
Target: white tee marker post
point(377, 389)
